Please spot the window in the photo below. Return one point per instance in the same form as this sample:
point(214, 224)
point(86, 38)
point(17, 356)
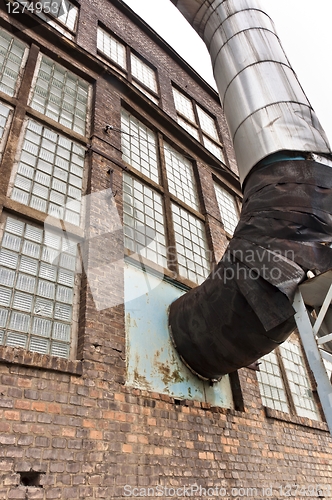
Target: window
point(283, 368)
point(191, 246)
point(37, 275)
point(298, 379)
point(139, 146)
point(65, 13)
point(141, 74)
point(60, 14)
point(180, 177)
point(328, 367)
point(198, 123)
point(147, 230)
point(13, 55)
point(61, 95)
point(271, 383)
point(112, 48)
point(50, 173)
point(6, 113)
point(228, 209)
point(144, 225)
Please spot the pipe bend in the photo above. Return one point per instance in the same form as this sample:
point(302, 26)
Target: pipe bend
point(244, 308)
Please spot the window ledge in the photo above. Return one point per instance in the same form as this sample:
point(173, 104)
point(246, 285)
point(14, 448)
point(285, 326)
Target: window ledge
point(19, 356)
point(294, 419)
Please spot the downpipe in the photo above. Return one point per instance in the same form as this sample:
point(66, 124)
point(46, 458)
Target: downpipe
point(244, 308)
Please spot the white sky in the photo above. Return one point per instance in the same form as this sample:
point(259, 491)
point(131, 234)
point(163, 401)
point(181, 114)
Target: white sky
point(303, 26)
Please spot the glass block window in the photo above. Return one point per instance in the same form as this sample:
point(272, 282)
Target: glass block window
point(61, 95)
point(111, 47)
point(5, 119)
point(143, 220)
point(299, 381)
point(180, 176)
point(139, 146)
point(50, 173)
point(143, 73)
point(191, 245)
point(228, 209)
point(37, 272)
point(271, 384)
point(198, 123)
point(12, 59)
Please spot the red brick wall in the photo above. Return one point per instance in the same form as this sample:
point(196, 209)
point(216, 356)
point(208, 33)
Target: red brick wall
point(76, 422)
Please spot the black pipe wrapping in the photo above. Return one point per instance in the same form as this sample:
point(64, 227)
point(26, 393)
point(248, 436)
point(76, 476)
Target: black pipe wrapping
point(243, 310)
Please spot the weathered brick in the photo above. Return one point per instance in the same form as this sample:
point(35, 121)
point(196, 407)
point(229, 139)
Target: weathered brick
point(89, 432)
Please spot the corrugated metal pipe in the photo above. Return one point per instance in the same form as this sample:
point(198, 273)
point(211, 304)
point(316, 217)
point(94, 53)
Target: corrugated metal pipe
point(244, 308)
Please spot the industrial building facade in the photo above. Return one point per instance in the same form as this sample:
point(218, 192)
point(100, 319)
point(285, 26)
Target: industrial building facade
point(119, 192)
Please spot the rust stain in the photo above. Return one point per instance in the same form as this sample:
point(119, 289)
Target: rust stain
point(169, 376)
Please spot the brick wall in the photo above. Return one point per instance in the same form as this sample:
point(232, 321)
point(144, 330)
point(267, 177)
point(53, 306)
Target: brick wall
point(74, 429)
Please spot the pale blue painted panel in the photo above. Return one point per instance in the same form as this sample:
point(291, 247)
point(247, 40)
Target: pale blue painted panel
point(152, 361)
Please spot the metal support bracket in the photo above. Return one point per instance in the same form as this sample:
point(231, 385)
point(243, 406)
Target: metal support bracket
point(314, 354)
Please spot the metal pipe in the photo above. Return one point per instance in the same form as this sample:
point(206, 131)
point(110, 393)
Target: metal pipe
point(244, 308)
point(263, 101)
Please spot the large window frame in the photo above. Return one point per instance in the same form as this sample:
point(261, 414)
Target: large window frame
point(131, 63)
point(180, 255)
point(11, 147)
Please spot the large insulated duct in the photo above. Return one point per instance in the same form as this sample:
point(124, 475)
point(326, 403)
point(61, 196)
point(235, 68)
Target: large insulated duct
point(244, 308)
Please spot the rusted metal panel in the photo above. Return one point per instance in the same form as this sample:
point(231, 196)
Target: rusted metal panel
point(152, 362)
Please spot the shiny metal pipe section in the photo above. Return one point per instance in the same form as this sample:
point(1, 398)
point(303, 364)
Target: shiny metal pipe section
point(263, 101)
point(243, 310)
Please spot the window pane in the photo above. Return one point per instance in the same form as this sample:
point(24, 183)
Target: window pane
point(184, 105)
point(50, 172)
point(214, 148)
point(328, 367)
point(143, 73)
point(67, 14)
point(146, 92)
point(299, 381)
point(143, 220)
point(111, 47)
point(271, 384)
point(30, 310)
point(61, 95)
point(180, 175)
point(207, 124)
point(139, 146)
point(191, 245)
point(189, 128)
point(11, 62)
point(228, 209)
